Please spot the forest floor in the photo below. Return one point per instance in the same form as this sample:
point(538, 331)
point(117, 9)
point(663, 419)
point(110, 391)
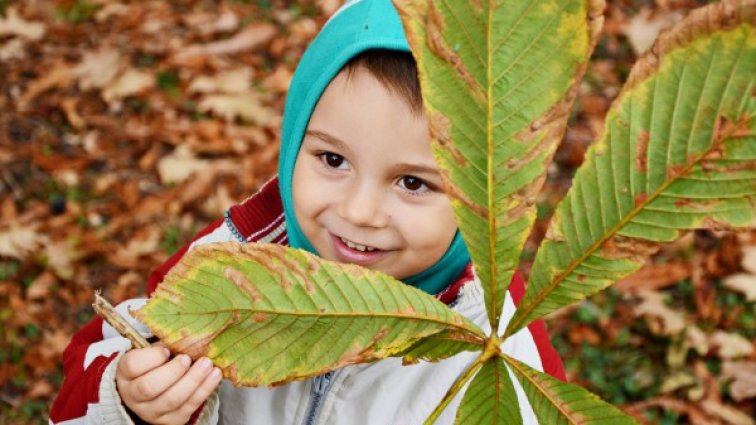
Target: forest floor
point(125, 127)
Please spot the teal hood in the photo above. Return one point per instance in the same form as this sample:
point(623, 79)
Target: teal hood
point(357, 26)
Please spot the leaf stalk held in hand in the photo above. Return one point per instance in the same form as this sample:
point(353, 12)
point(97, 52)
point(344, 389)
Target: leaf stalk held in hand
point(114, 319)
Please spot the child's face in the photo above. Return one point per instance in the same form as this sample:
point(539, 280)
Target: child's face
point(366, 188)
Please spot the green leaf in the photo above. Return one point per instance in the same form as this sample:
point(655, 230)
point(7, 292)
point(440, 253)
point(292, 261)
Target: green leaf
point(440, 346)
point(268, 314)
point(678, 152)
point(498, 80)
point(490, 398)
point(555, 402)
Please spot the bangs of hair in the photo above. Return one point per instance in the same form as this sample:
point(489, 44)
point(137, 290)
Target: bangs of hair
point(396, 70)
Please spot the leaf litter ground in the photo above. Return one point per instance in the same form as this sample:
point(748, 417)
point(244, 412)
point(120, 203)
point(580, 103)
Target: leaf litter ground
point(125, 128)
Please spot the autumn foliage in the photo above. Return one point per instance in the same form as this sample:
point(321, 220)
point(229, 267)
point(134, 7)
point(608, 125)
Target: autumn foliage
point(125, 127)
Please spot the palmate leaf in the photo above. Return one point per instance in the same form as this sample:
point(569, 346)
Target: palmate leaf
point(490, 398)
point(498, 79)
point(555, 402)
point(268, 314)
point(678, 152)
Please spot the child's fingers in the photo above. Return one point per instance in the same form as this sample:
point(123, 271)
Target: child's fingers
point(158, 380)
point(194, 402)
point(179, 393)
point(137, 362)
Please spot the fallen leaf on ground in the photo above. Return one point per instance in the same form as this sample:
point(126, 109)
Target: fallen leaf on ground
point(15, 25)
point(661, 319)
point(749, 259)
point(729, 414)
point(20, 241)
point(131, 82)
point(743, 376)
point(40, 286)
point(731, 345)
point(246, 106)
point(232, 81)
point(744, 283)
point(655, 276)
point(252, 37)
point(642, 29)
point(98, 68)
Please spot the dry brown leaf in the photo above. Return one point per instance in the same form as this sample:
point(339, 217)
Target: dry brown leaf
point(40, 388)
point(110, 9)
point(40, 286)
point(179, 165)
point(61, 257)
point(12, 50)
point(677, 380)
point(15, 25)
point(279, 80)
point(661, 319)
point(252, 37)
point(743, 376)
point(642, 29)
point(232, 81)
point(728, 414)
point(731, 345)
point(20, 242)
point(60, 75)
point(98, 68)
point(245, 105)
point(742, 282)
point(211, 23)
point(655, 276)
point(696, 339)
point(131, 82)
point(749, 259)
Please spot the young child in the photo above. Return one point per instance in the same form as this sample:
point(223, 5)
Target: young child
point(357, 183)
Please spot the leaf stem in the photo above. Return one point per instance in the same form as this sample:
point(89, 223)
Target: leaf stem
point(458, 384)
point(114, 319)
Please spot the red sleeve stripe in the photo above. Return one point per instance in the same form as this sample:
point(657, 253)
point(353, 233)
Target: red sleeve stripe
point(552, 363)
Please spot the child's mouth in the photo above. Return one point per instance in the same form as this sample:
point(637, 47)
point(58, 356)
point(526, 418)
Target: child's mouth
point(353, 252)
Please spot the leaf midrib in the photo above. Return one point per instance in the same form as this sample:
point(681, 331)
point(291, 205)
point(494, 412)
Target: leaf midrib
point(557, 403)
point(468, 330)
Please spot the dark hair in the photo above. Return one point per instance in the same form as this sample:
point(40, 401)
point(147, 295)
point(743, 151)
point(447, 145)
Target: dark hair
point(396, 70)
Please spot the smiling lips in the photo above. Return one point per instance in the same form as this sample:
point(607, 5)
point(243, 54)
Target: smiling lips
point(355, 253)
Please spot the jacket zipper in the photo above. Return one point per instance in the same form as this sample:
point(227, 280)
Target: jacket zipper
point(320, 386)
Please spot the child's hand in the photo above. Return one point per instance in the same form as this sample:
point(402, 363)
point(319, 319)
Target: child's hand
point(161, 390)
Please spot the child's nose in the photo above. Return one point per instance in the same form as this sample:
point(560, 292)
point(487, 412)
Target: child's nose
point(364, 205)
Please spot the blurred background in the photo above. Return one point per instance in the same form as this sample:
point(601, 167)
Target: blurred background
point(125, 127)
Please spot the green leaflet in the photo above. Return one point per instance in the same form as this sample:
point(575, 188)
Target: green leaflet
point(555, 402)
point(490, 398)
point(440, 346)
point(496, 80)
point(268, 314)
point(678, 152)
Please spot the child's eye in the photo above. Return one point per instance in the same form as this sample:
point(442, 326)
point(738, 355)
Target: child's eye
point(414, 184)
point(333, 160)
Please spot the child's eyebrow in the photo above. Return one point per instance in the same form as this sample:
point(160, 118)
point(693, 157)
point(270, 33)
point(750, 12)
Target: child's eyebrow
point(331, 140)
point(417, 169)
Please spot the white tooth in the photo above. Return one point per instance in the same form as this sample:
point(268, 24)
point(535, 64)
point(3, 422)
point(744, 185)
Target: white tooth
point(357, 246)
